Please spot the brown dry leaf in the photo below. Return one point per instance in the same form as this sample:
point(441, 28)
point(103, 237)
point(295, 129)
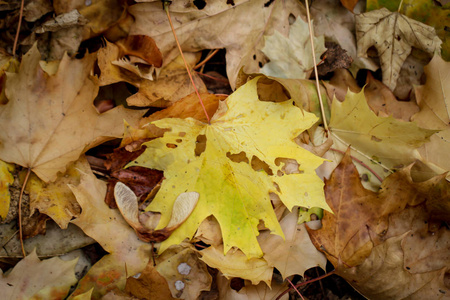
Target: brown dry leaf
point(236, 264)
point(434, 102)
point(55, 199)
point(102, 14)
point(349, 4)
point(185, 273)
point(389, 244)
point(393, 35)
point(127, 254)
point(187, 107)
point(250, 292)
point(296, 253)
point(71, 126)
point(383, 103)
point(218, 24)
point(340, 83)
point(32, 278)
point(173, 83)
point(149, 284)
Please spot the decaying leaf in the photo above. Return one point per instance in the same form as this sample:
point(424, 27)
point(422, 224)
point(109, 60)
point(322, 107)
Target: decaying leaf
point(235, 194)
point(219, 24)
point(434, 101)
point(186, 274)
point(55, 199)
point(71, 126)
point(291, 57)
point(32, 278)
point(296, 253)
point(389, 244)
point(393, 35)
point(127, 254)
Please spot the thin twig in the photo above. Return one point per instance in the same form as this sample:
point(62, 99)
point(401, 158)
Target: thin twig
point(322, 110)
point(20, 212)
point(166, 8)
point(293, 286)
point(16, 39)
point(305, 283)
point(206, 59)
point(361, 163)
point(212, 77)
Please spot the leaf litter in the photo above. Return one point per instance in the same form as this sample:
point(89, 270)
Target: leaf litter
point(248, 168)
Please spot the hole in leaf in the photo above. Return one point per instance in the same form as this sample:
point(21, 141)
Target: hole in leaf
point(259, 165)
point(290, 166)
point(230, 2)
point(200, 4)
point(267, 4)
point(200, 144)
point(169, 145)
point(239, 157)
point(270, 90)
point(291, 19)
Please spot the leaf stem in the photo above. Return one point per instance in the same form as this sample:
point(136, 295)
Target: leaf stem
point(16, 39)
point(20, 212)
point(293, 286)
point(322, 110)
point(206, 59)
point(166, 8)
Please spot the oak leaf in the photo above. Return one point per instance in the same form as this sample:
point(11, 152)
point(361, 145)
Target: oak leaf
point(32, 278)
point(393, 35)
point(198, 157)
point(388, 244)
point(71, 124)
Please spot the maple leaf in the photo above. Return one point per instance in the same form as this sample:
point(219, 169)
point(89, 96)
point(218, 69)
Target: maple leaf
point(6, 179)
point(294, 255)
point(235, 194)
point(433, 99)
point(72, 124)
point(385, 140)
point(127, 254)
point(236, 264)
point(392, 243)
point(217, 25)
point(393, 35)
point(291, 57)
point(35, 279)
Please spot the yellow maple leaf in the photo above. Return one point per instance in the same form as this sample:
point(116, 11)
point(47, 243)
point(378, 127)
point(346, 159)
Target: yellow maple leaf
point(233, 192)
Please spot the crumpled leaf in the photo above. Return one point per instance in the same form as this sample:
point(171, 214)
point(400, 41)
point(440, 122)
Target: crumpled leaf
point(127, 254)
point(32, 278)
point(235, 194)
point(291, 57)
point(388, 244)
point(384, 140)
point(433, 99)
point(6, 179)
point(71, 126)
point(219, 24)
point(296, 253)
point(236, 264)
point(393, 35)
